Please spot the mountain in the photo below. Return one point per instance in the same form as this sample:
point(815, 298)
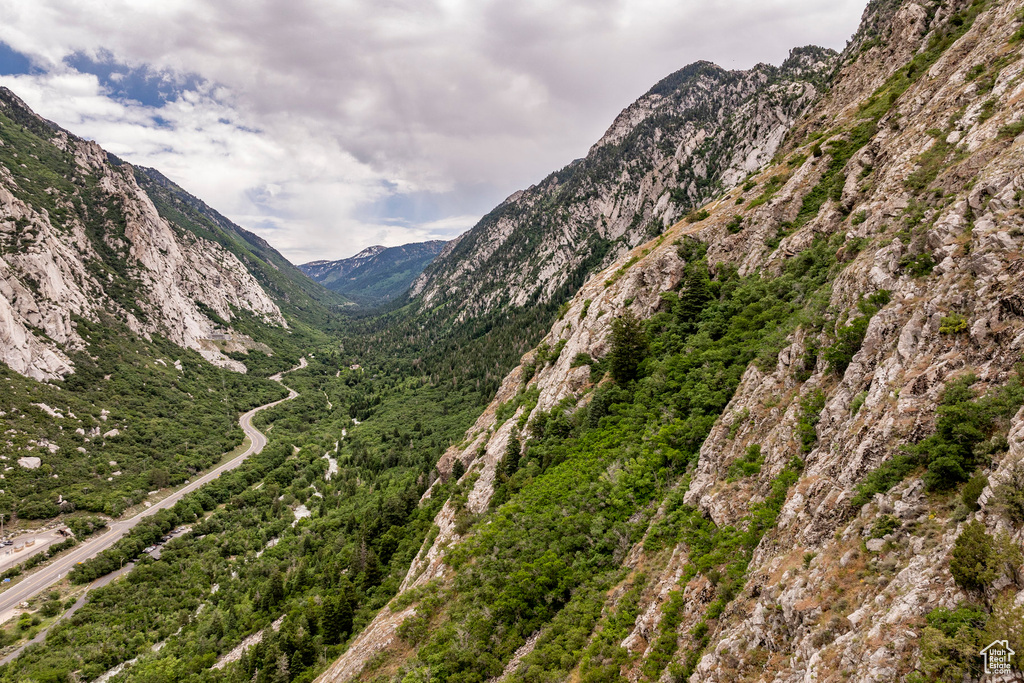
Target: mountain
point(80, 236)
point(284, 282)
point(782, 440)
point(376, 274)
point(696, 133)
point(123, 303)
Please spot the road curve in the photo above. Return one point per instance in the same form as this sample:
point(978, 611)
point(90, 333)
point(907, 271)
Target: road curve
point(36, 583)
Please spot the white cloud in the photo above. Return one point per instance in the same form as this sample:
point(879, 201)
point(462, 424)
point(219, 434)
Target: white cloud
point(315, 114)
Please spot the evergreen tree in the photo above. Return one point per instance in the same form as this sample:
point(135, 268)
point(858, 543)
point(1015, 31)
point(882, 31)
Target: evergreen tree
point(337, 617)
point(975, 559)
point(458, 469)
point(510, 463)
point(275, 590)
point(629, 347)
point(695, 295)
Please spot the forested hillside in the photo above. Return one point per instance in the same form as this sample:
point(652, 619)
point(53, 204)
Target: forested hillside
point(375, 275)
point(117, 306)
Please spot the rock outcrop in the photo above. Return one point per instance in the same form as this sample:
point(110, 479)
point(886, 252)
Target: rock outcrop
point(97, 244)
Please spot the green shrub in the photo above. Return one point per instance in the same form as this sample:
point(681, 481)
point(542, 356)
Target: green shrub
point(954, 323)
point(1012, 130)
point(850, 337)
point(808, 360)
point(696, 216)
point(580, 359)
point(747, 465)
point(967, 429)
point(886, 524)
point(950, 644)
point(917, 266)
point(1009, 494)
point(771, 188)
point(883, 478)
point(972, 491)
point(858, 402)
point(974, 564)
point(811, 406)
point(735, 225)
point(931, 163)
point(691, 249)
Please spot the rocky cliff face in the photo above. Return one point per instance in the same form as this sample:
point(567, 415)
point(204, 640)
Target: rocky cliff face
point(914, 164)
point(289, 287)
point(78, 237)
point(696, 132)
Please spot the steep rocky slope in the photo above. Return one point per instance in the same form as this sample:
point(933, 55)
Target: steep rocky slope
point(818, 531)
point(287, 285)
point(78, 237)
point(376, 274)
point(696, 132)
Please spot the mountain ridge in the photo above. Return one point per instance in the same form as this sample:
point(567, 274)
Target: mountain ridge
point(376, 274)
point(661, 157)
point(813, 531)
point(80, 234)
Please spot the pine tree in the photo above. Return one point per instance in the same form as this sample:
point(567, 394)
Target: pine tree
point(458, 469)
point(510, 463)
point(629, 347)
point(974, 563)
point(695, 295)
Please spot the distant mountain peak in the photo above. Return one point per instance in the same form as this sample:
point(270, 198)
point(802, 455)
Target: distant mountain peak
point(376, 274)
point(369, 252)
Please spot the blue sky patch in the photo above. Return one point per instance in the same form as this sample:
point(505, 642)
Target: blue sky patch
point(416, 208)
point(141, 84)
point(12, 62)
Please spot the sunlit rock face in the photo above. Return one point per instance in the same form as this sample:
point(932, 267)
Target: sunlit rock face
point(101, 247)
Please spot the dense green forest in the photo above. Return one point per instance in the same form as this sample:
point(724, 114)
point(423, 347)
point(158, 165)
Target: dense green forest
point(326, 572)
point(136, 416)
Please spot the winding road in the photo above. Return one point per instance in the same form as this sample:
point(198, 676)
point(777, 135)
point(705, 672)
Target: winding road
point(36, 583)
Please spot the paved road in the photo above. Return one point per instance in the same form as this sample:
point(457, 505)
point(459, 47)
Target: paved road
point(36, 583)
point(41, 636)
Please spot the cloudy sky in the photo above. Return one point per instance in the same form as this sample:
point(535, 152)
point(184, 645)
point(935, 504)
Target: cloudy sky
point(327, 126)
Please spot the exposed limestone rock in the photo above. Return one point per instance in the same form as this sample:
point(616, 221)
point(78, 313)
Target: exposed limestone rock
point(46, 282)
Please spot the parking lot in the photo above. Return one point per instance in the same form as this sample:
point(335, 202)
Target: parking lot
point(18, 549)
